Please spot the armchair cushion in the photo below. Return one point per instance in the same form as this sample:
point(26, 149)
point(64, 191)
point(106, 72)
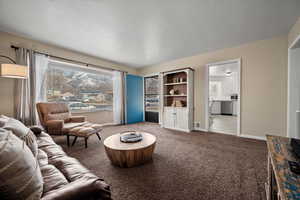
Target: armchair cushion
point(82, 188)
point(58, 124)
point(68, 126)
point(77, 119)
point(59, 116)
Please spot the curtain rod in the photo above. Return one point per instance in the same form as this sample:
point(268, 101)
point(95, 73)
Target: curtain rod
point(71, 60)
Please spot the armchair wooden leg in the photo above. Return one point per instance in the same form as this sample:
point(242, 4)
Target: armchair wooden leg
point(98, 136)
point(74, 140)
point(68, 140)
point(85, 141)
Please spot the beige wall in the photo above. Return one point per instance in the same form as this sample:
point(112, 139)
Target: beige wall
point(7, 85)
point(294, 33)
point(264, 79)
point(264, 83)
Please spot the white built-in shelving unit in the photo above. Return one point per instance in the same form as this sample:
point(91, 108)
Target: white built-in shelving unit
point(178, 99)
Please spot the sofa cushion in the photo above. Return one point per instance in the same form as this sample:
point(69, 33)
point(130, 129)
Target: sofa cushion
point(42, 158)
point(53, 178)
point(20, 174)
point(69, 167)
point(24, 133)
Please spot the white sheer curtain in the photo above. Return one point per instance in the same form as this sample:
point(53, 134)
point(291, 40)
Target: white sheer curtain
point(41, 62)
point(119, 97)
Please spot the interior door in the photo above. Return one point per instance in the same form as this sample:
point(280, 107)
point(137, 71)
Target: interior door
point(151, 98)
point(134, 99)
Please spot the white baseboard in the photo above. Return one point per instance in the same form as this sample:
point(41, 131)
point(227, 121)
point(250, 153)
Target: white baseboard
point(254, 137)
point(200, 129)
point(178, 129)
point(221, 132)
point(243, 135)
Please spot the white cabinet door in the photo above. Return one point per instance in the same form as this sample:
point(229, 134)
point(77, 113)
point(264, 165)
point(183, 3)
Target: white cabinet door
point(169, 117)
point(181, 121)
point(216, 107)
point(234, 107)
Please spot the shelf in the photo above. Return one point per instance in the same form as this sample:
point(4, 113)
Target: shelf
point(181, 83)
point(176, 95)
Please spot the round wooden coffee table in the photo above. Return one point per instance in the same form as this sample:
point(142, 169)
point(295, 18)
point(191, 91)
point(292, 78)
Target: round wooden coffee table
point(129, 154)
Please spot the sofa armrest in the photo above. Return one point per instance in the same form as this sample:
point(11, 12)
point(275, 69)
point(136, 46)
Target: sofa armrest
point(77, 119)
point(81, 189)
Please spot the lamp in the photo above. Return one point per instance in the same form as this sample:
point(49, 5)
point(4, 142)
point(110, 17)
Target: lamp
point(13, 70)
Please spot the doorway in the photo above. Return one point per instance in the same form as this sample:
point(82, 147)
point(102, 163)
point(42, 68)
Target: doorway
point(223, 97)
point(293, 111)
point(151, 98)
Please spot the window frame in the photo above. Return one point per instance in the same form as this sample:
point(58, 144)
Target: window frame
point(78, 66)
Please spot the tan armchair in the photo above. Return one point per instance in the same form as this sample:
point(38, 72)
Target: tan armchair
point(57, 119)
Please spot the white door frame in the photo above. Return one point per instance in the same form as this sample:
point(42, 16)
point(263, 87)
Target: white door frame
point(238, 61)
point(288, 84)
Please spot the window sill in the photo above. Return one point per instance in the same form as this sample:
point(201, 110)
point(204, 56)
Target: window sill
point(88, 111)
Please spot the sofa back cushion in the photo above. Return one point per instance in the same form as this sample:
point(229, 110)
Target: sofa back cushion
point(24, 133)
point(20, 173)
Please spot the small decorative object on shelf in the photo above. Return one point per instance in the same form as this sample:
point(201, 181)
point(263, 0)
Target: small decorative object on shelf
point(175, 80)
point(130, 137)
point(172, 92)
point(177, 103)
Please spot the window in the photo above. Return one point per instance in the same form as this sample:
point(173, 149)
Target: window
point(85, 90)
point(152, 94)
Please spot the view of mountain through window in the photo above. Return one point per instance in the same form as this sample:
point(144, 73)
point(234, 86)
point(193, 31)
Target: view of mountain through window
point(83, 89)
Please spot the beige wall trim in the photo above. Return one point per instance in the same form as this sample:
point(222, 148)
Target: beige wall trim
point(200, 129)
point(254, 137)
point(294, 33)
point(294, 42)
point(297, 40)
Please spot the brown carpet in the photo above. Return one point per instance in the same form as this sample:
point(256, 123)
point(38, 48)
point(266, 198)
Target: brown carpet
point(191, 166)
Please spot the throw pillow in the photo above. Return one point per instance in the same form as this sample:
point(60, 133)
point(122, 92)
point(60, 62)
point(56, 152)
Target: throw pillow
point(24, 133)
point(20, 173)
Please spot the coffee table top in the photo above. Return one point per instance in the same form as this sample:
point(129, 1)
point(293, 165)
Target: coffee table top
point(113, 142)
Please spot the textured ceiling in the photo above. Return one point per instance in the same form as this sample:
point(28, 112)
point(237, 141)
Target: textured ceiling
point(138, 33)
